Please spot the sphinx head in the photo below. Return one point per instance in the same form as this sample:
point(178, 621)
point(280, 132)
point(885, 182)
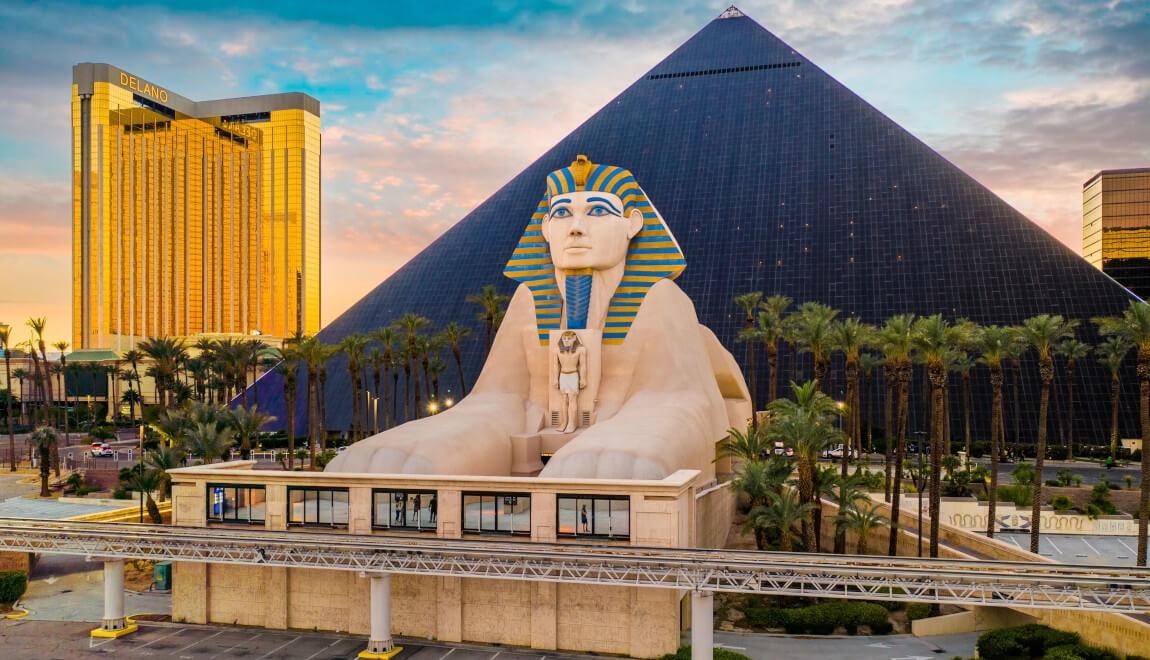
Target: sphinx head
point(589, 223)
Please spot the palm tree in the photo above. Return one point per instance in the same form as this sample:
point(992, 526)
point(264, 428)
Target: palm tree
point(1073, 350)
point(376, 361)
point(749, 303)
point(826, 485)
point(208, 441)
point(812, 330)
point(44, 439)
point(453, 335)
point(312, 353)
point(1134, 327)
point(246, 424)
point(289, 370)
point(37, 325)
point(410, 325)
point(134, 357)
point(781, 515)
point(897, 347)
point(851, 336)
point(386, 337)
point(493, 308)
point(994, 344)
point(1013, 357)
point(62, 346)
point(936, 340)
point(5, 345)
point(1043, 333)
point(747, 446)
point(1112, 353)
point(161, 459)
point(862, 518)
point(772, 328)
point(166, 354)
point(21, 376)
point(806, 425)
point(868, 363)
point(145, 483)
point(353, 346)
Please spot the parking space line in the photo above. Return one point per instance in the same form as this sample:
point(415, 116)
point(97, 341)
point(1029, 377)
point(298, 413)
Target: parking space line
point(281, 647)
point(1052, 544)
point(161, 637)
point(1092, 548)
point(199, 641)
point(449, 652)
point(233, 646)
point(324, 649)
point(1132, 550)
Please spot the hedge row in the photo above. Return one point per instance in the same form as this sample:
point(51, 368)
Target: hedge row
point(1037, 641)
point(12, 586)
point(821, 619)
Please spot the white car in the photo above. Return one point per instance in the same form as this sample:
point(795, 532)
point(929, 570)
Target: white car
point(837, 452)
point(103, 450)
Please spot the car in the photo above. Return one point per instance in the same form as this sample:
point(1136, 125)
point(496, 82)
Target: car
point(102, 450)
point(836, 451)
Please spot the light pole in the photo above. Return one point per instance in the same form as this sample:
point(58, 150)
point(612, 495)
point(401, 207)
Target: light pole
point(919, 483)
point(141, 467)
point(5, 333)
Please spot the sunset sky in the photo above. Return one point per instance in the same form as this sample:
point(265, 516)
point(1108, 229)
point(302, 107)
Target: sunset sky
point(429, 107)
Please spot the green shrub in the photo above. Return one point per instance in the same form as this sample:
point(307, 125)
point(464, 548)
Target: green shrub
point(822, 619)
point(1061, 503)
point(1078, 652)
point(12, 586)
point(1029, 641)
point(684, 653)
point(1001, 644)
point(916, 611)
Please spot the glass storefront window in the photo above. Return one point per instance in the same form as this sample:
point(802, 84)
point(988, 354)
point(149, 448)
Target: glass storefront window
point(594, 515)
point(326, 507)
point(404, 509)
point(232, 503)
point(497, 513)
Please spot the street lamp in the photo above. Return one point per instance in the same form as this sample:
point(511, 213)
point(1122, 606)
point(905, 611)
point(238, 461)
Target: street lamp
point(5, 331)
point(919, 483)
point(433, 407)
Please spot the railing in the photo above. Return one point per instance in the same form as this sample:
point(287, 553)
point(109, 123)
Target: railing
point(1013, 584)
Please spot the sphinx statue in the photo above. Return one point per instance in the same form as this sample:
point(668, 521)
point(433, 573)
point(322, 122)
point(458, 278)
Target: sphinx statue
point(599, 350)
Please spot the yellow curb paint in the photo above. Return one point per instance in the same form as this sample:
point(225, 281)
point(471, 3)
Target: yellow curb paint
point(17, 615)
point(114, 634)
point(368, 655)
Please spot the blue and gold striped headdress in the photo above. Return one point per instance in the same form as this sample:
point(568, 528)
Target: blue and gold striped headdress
point(653, 254)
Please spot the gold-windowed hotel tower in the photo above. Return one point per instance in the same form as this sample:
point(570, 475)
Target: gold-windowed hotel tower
point(1116, 226)
point(191, 217)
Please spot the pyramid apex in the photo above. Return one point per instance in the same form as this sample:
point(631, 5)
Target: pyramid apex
point(732, 12)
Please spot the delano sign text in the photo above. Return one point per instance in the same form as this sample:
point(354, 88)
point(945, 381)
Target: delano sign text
point(144, 87)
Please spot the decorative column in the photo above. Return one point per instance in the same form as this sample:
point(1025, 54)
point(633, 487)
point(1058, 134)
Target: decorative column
point(114, 623)
point(702, 625)
point(380, 645)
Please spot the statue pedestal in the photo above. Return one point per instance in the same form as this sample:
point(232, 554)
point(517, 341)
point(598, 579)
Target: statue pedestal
point(552, 440)
point(525, 455)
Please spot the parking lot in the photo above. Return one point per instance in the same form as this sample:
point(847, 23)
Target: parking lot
point(44, 639)
point(1078, 549)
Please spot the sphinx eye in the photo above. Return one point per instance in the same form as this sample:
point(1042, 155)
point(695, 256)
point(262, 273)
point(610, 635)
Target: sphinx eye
point(561, 212)
point(598, 211)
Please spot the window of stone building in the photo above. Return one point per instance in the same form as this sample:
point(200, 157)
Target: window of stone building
point(236, 503)
point(323, 507)
point(404, 509)
point(497, 513)
point(599, 516)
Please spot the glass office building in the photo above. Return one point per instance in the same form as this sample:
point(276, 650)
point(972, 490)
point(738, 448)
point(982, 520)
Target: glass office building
point(191, 217)
point(1116, 226)
point(775, 177)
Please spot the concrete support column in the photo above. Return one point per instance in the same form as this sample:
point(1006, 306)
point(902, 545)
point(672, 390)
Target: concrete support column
point(114, 624)
point(113, 594)
point(380, 644)
point(702, 625)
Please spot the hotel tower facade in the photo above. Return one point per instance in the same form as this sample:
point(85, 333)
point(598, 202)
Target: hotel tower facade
point(191, 217)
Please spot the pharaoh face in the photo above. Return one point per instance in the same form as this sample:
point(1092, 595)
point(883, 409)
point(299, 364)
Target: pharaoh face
point(568, 341)
point(589, 230)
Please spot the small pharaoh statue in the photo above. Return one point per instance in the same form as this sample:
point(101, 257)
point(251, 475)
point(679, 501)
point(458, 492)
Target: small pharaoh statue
point(572, 358)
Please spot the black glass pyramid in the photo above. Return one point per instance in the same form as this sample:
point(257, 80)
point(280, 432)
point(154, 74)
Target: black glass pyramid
point(774, 177)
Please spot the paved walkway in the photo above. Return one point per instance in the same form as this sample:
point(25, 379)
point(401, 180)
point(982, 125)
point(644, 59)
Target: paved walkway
point(884, 647)
point(65, 588)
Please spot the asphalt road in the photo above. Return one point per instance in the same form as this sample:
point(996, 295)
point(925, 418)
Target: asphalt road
point(1091, 473)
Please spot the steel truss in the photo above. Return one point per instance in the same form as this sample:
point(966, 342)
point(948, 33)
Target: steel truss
point(960, 582)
